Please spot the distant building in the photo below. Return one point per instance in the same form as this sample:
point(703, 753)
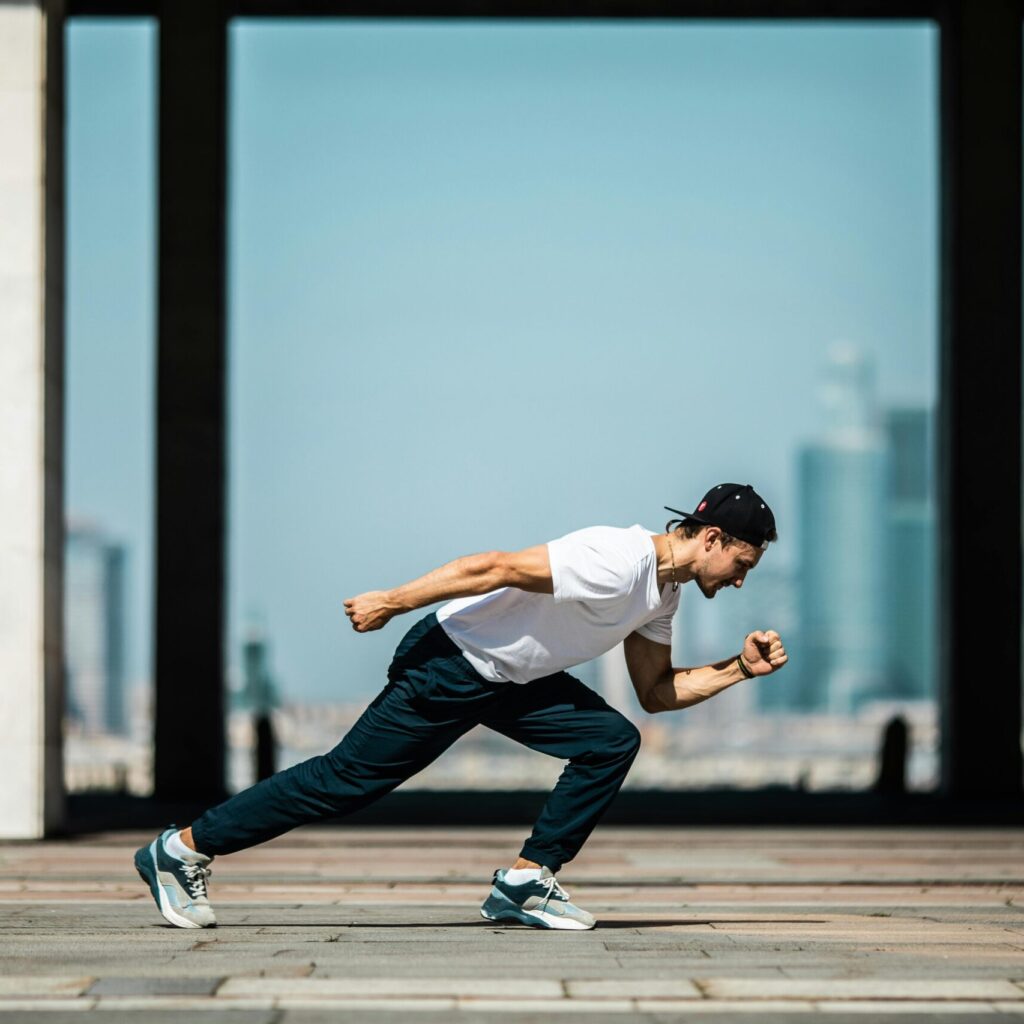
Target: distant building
point(258, 693)
point(910, 559)
point(843, 482)
point(94, 631)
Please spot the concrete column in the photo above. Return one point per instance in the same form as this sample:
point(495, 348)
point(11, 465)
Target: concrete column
point(980, 410)
point(31, 418)
point(191, 406)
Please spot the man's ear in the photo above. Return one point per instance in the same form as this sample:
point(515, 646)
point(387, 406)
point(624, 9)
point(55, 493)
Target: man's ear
point(711, 534)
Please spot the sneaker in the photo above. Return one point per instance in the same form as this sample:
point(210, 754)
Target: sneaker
point(542, 903)
point(178, 886)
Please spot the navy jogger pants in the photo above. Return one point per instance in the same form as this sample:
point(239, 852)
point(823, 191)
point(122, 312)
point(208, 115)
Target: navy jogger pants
point(433, 697)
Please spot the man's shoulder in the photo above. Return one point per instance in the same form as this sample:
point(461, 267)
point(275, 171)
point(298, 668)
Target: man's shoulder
point(630, 542)
point(611, 531)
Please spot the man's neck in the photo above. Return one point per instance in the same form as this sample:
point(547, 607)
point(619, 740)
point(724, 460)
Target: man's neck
point(671, 548)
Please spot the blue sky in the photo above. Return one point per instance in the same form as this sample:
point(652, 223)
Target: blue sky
point(489, 283)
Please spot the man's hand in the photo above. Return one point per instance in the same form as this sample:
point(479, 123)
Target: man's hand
point(369, 611)
point(763, 652)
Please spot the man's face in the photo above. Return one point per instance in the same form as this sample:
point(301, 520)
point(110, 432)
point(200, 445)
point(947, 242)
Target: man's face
point(724, 566)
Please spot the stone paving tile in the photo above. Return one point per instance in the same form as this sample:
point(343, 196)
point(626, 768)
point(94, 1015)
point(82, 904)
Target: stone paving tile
point(633, 988)
point(14, 986)
point(550, 1006)
point(745, 1010)
point(865, 969)
point(862, 988)
point(149, 986)
point(497, 969)
point(340, 1007)
point(303, 970)
point(44, 1004)
point(143, 1015)
point(163, 1003)
point(390, 987)
point(749, 1015)
point(465, 1015)
point(399, 952)
point(874, 1008)
point(642, 969)
point(496, 966)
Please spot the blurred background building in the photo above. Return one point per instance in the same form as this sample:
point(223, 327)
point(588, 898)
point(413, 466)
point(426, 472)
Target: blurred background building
point(95, 626)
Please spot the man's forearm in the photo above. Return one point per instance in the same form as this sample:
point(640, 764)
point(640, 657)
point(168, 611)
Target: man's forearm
point(684, 687)
point(464, 577)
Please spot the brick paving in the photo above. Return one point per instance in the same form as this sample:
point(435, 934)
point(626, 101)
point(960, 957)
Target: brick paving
point(381, 925)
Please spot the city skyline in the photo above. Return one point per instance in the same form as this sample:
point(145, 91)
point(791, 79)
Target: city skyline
point(411, 215)
point(858, 608)
point(887, 526)
point(841, 698)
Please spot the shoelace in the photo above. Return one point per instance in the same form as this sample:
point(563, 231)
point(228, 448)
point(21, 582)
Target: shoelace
point(553, 889)
point(197, 876)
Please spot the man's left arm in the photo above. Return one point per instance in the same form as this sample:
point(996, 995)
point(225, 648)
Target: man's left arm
point(529, 569)
point(660, 687)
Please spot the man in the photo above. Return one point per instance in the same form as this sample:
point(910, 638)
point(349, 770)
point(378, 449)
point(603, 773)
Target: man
point(495, 654)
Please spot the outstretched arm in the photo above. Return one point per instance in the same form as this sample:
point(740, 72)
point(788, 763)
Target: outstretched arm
point(660, 687)
point(528, 569)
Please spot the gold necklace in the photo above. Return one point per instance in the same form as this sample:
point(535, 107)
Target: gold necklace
point(672, 555)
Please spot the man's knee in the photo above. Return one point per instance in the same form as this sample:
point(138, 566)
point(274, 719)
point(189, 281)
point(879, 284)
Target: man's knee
point(619, 738)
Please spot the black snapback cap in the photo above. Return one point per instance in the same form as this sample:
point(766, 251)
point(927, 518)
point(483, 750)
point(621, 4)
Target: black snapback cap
point(736, 508)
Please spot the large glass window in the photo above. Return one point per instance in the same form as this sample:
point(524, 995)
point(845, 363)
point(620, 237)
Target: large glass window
point(494, 282)
point(110, 305)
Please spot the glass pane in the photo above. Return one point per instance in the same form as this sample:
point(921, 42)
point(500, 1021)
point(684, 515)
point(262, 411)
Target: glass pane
point(111, 189)
point(492, 283)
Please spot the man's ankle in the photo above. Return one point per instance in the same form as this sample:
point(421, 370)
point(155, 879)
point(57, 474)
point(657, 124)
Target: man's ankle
point(522, 862)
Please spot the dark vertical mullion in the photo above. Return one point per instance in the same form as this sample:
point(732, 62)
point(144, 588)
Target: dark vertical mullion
point(980, 407)
point(54, 407)
point(191, 404)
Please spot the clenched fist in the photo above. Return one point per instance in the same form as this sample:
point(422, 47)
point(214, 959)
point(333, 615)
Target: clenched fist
point(369, 611)
point(763, 652)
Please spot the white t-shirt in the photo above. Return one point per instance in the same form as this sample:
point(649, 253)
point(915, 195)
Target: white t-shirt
point(606, 587)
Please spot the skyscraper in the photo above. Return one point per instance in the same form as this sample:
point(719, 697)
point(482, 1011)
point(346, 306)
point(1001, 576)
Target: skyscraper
point(843, 543)
point(910, 581)
point(94, 631)
point(259, 692)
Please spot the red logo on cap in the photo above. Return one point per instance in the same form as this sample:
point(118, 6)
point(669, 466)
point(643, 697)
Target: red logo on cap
point(703, 505)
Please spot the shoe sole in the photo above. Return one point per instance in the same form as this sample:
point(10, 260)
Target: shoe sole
point(533, 918)
point(145, 864)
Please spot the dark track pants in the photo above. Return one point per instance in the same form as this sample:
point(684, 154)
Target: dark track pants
point(433, 697)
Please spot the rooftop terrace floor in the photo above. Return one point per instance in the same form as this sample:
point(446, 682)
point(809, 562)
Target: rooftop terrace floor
point(372, 924)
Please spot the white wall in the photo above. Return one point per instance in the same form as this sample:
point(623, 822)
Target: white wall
point(30, 425)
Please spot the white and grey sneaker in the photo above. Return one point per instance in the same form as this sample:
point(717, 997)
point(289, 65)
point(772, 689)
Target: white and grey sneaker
point(178, 886)
point(541, 903)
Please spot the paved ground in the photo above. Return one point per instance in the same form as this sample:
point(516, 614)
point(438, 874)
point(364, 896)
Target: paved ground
point(382, 925)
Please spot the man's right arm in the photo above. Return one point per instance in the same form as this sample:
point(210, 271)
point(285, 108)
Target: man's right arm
point(529, 569)
point(660, 687)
